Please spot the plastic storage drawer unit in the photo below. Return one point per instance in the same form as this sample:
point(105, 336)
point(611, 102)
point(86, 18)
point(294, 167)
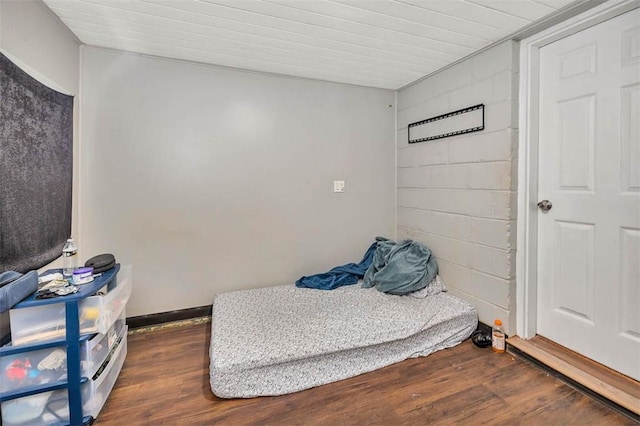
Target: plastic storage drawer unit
point(53, 407)
point(97, 314)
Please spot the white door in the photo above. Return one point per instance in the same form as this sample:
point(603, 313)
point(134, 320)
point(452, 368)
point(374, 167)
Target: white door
point(589, 169)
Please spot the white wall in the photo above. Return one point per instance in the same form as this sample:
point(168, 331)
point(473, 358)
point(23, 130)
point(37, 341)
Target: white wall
point(210, 180)
point(32, 37)
point(458, 195)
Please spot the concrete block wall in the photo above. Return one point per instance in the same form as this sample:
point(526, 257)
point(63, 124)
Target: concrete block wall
point(458, 195)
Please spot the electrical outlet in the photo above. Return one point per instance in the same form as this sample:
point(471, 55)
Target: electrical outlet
point(338, 186)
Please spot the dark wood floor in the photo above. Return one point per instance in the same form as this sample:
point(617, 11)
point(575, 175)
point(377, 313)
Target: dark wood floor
point(165, 380)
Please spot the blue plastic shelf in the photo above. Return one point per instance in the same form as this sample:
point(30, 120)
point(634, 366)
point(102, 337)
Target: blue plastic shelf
point(71, 342)
point(84, 290)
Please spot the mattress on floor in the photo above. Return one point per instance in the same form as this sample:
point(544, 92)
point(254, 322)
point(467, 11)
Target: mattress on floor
point(278, 340)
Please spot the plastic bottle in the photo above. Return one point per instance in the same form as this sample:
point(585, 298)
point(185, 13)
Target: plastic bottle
point(497, 337)
point(69, 257)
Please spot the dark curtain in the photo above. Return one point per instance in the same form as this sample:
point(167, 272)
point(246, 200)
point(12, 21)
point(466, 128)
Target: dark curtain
point(36, 170)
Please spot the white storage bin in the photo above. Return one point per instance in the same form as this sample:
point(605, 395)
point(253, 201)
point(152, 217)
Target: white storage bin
point(53, 407)
point(97, 314)
point(49, 365)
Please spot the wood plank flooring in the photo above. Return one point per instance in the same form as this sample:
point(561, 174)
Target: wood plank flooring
point(165, 380)
point(612, 385)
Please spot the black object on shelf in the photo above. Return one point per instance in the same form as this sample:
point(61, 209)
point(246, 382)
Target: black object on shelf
point(101, 262)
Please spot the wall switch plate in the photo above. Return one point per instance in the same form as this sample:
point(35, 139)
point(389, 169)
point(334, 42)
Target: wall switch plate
point(338, 186)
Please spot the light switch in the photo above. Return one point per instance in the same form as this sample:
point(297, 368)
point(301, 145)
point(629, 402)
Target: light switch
point(338, 186)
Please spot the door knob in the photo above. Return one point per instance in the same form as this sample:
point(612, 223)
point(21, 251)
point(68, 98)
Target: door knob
point(545, 205)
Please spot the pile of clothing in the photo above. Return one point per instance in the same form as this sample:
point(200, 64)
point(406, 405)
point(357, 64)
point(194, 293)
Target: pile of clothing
point(391, 267)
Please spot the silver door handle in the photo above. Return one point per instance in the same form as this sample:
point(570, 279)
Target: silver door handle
point(545, 205)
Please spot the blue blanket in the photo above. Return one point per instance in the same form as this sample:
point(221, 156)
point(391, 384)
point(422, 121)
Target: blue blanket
point(340, 275)
point(401, 267)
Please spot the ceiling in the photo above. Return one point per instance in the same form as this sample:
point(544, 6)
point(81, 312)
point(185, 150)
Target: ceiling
point(377, 43)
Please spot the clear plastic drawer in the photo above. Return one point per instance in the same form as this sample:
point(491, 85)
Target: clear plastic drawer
point(96, 392)
point(49, 365)
point(97, 314)
point(53, 407)
point(94, 353)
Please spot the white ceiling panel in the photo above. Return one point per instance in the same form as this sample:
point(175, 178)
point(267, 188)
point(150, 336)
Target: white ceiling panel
point(526, 10)
point(377, 43)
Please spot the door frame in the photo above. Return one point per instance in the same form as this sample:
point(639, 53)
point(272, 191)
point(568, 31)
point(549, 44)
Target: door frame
point(527, 228)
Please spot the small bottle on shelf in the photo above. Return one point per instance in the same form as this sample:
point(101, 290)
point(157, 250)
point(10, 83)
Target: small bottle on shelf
point(497, 337)
point(69, 258)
